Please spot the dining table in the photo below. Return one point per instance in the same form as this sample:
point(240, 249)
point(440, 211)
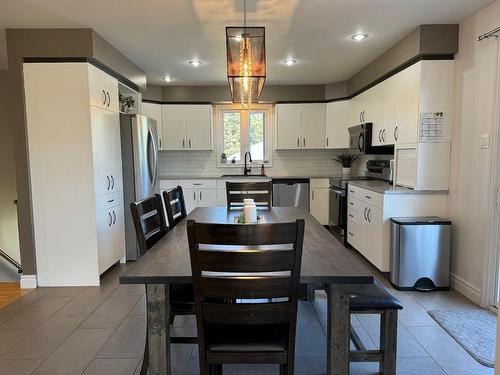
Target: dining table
point(325, 262)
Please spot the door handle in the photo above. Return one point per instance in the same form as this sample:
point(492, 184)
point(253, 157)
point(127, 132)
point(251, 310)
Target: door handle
point(312, 194)
point(360, 120)
point(369, 215)
point(363, 116)
point(201, 198)
point(298, 142)
point(304, 142)
point(194, 195)
point(159, 142)
point(109, 98)
point(112, 182)
point(183, 143)
point(114, 217)
point(383, 135)
point(326, 141)
point(189, 142)
point(379, 135)
point(110, 219)
point(396, 133)
point(364, 213)
point(104, 97)
point(109, 182)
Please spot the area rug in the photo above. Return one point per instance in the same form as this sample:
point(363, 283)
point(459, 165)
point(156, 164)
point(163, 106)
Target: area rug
point(474, 330)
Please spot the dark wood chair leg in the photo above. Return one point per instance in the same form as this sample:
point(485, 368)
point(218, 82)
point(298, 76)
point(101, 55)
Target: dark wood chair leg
point(172, 318)
point(145, 358)
point(283, 370)
point(388, 341)
point(215, 369)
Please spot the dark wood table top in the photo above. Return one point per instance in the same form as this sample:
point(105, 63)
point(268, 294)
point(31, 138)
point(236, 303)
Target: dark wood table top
point(324, 259)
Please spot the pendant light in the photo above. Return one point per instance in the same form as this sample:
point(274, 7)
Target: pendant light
point(246, 62)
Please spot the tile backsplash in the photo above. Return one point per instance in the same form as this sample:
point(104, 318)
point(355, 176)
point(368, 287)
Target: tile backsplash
point(286, 162)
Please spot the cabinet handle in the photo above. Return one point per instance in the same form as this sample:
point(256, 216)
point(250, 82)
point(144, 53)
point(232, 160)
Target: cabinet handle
point(379, 135)
point(396, 133)
point(368, 197)
point(104, 97)
point(326, 141)
point(159, 141)
point(110, 219)
point(197, 184)
point(351, 191)
point(350, 233)
point(360, 121)
point(304, 142)
point(109, 182)
point(109, 98)
point(351, 215)
point(363, 116)
point(352, 204)
point(383, 135)
point(312, 194)
point(298, 142)
point(113, 182)
point(183, 143)
point(369, 215)
point(111, 201)
point(114, 217)
point(364, 213)
point(194, 195)
point(189, 142)
point(201, 197)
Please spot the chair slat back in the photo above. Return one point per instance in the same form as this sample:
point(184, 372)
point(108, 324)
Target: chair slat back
point(149, 221)
point(175, 206)
point(260, 192)
point(246, 262)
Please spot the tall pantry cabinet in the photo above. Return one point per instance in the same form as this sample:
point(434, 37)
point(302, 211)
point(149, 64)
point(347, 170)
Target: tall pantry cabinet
point(73, 128)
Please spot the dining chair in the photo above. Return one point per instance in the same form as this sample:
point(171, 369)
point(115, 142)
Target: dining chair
point(259, 266)
point(175, 205)
point(150, 227)
point(260, 192)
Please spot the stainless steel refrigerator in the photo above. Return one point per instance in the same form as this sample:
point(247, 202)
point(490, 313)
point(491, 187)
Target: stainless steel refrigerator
point(139, 139)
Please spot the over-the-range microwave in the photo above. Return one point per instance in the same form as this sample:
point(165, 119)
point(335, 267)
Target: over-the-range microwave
point(360, 141)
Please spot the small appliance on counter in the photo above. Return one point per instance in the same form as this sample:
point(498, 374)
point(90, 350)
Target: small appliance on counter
point(420, 253)
point(377, 170)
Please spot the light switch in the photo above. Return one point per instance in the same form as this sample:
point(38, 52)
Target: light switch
point(484, 141)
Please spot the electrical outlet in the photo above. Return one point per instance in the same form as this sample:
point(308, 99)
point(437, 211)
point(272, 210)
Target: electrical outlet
point(484, 141)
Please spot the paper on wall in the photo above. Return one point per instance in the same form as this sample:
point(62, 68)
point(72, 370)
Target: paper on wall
point(431, 127)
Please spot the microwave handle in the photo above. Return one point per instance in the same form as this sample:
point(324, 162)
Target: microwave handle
point(360, 141)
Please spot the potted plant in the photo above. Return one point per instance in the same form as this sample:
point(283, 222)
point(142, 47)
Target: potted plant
point(346, 160)
point(126, 103)
point(223, 158)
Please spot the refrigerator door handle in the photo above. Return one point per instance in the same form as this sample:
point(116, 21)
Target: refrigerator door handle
point(152, 164)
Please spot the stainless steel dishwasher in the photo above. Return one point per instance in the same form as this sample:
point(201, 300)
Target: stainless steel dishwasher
point(291, 192)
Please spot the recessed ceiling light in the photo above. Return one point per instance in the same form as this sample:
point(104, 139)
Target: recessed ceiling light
point(195, 63)
point(359, 37)
point(168, 79)
point(290, 62)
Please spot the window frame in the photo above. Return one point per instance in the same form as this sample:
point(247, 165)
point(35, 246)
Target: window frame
point(267, 109)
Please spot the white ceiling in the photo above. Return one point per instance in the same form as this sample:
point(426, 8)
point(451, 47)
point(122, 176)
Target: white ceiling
point(160, 36)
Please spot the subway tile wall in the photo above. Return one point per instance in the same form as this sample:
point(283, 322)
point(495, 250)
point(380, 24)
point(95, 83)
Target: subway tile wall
point(286, 162)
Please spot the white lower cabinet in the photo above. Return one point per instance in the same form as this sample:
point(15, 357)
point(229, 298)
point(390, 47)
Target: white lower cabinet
point(369, 214)
point(319, 196)
point(110, 236)
point(197, 193)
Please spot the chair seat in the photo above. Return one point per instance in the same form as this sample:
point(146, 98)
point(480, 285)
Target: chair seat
point(372, 297)
point(236, 338)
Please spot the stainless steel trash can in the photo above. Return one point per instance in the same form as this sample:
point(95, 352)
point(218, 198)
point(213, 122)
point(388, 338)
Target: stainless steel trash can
point(420, 253)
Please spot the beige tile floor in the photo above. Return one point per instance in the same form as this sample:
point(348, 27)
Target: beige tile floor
point(100, 330)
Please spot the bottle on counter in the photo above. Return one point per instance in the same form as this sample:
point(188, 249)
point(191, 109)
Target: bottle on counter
point(262, 170)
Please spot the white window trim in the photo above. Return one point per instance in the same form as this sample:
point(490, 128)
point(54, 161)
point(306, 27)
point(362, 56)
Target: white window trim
point(268, 135)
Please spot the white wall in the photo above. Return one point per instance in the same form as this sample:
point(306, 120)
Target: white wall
point(9, 240)
point(475, 99)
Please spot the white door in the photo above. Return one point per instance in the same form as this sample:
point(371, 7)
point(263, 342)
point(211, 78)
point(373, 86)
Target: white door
point(191, 199)
point(113, 122)
point(199, 127)
point(407, 104)
point(153, 110)
point(374, 236)
point(174, 127)
point(337, 124)
point(313, 126)
point(118, 233)
point(102, 149)
point(289, 122)
point(105, 239)
point(319, 205)
point(207, 198)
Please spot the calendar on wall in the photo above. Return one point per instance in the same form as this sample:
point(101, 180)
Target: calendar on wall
point(431, 127)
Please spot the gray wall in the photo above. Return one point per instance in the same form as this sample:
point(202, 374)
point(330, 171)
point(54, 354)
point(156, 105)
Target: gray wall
point(9, 239)
point(47, 43)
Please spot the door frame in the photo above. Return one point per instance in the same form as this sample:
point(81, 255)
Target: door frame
point(491, 277)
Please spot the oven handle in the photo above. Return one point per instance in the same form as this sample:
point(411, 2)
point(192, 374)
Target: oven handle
point(337, 191)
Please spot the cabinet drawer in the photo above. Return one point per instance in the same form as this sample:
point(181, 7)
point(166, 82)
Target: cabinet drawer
point(354, 205)
point(354, 192)
point(105, 202)
point(354, 215)
point(370, 197)
point(198, 184)
point(353, 234)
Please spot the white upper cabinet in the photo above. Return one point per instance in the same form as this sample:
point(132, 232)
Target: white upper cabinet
point(337, 124)
point(199, 127)
point(187, 127)
point(103, 89)
point(153, 110)
point(300, 126)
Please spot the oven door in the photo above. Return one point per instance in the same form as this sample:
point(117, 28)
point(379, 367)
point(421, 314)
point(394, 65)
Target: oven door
point(338, 208)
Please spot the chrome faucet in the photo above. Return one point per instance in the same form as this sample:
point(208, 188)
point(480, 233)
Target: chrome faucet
point(246, 170)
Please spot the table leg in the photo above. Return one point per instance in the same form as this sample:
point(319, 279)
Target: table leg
point(338, 321)
point(158, 310)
